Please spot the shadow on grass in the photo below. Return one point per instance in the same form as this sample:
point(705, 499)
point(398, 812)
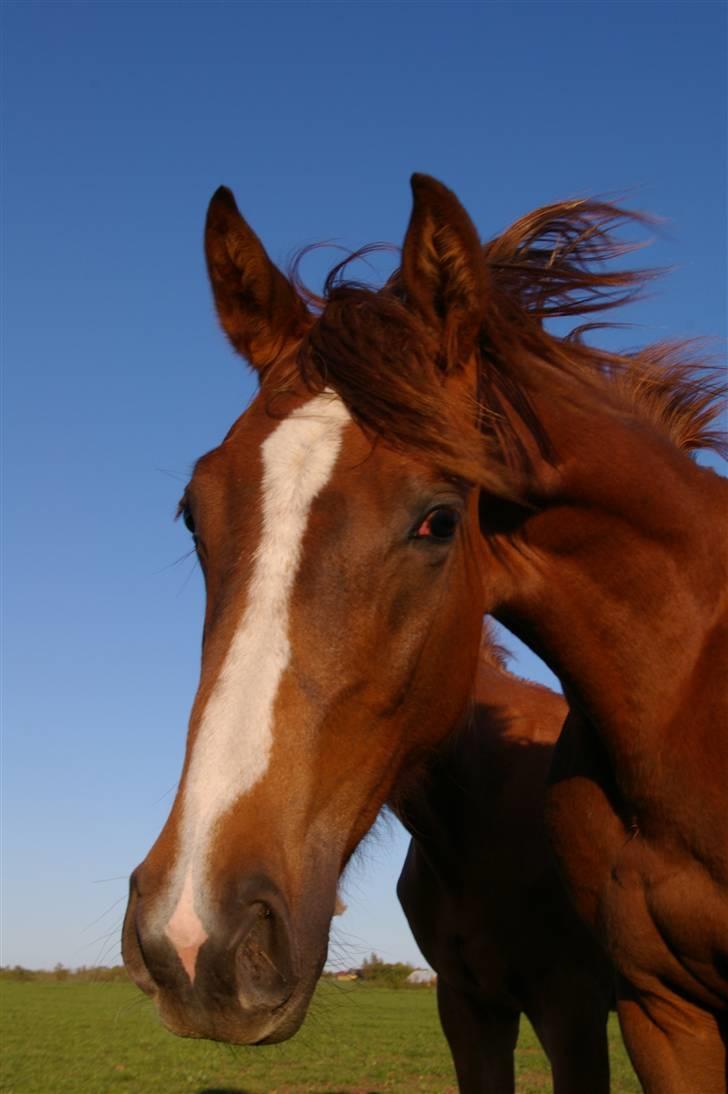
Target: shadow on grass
point(224, 1090)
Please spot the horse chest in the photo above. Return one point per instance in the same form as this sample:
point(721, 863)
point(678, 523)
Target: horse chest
point(663, 912)
point(658, 911)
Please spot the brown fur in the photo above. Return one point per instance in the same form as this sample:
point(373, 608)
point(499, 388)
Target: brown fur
point(484, 901)
point(617, 574)
point(615, 571)
point(258, 308)
point(377, 351)
point(384, 635)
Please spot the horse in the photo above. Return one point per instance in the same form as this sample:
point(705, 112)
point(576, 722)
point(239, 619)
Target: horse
point(484, 901)
point(416, 456)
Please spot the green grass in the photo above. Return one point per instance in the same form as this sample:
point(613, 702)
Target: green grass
point(81, 1038)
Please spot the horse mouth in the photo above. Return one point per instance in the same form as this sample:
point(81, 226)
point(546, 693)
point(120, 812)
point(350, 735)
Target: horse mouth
point(232, 1025)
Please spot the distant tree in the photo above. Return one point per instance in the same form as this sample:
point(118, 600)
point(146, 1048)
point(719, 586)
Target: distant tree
point(376, 971)
point(94, 974)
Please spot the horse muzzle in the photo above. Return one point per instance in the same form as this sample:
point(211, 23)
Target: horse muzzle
point(244, 982)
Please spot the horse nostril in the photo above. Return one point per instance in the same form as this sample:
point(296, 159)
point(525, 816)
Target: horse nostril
point(262, 961)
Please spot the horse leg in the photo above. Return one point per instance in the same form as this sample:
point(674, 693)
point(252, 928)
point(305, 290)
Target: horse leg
point(482, 1041)
point(675, 1047)
point(572, 1027)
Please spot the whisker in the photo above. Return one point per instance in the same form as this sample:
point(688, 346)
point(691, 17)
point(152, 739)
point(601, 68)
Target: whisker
point(177, 475)
point(186, 581)
point(103, 914)
point(133, 1004)
point(102, 937)
point(177, 561)
point(166, 793)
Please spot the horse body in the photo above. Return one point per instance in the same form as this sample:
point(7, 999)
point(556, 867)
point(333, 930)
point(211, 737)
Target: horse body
point(637, 803)
point(485, 903)
point(604, 548)
point(625, 605)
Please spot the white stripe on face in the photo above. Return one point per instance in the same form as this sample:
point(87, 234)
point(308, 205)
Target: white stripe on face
point(234, 739)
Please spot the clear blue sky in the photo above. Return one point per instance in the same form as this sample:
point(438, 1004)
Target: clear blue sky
point(121, 119)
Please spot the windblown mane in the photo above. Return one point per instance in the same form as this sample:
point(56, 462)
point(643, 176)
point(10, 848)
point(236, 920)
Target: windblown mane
point(388, 367)
point(492, 652)
point(553, 263)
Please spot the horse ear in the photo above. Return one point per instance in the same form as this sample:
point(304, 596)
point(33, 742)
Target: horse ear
point(443, 270)
point(259, 309)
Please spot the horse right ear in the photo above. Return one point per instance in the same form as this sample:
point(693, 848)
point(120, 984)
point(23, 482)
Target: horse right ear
point(259, 309)
point(443, 271)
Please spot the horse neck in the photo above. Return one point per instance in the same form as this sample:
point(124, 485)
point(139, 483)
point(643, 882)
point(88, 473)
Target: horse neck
point(455, 805)
point(619, 580)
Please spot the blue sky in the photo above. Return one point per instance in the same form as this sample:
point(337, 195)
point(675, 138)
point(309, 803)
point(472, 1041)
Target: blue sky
point(120, 121)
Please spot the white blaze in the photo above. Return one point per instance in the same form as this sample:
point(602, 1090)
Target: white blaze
point(234, 739)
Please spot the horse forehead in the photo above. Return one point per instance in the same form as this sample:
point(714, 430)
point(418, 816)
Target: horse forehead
point(249, 433)
point(238, 451)
point(268, 446)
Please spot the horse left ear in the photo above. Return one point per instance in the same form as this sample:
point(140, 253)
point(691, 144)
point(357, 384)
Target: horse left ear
point(444, 274)
point(259, 309)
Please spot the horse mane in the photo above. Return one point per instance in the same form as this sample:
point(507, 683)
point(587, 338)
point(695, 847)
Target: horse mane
point(493, 652)
point(391, 370)
point(553, 263)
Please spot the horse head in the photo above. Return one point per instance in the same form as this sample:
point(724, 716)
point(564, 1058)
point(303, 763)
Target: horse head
point(342, 624)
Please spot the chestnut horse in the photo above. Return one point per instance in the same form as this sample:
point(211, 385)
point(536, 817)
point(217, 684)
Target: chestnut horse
point(346, 584)
point(482, 896)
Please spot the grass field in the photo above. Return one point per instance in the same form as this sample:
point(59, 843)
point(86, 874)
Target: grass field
point(81, 1038)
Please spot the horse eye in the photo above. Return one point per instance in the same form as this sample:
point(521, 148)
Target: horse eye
point(188, 521)
point(440, 525)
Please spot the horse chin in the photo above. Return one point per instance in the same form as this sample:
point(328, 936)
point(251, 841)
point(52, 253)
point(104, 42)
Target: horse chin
point(286, 1020)
point(287, 1024)
point(234, 1026)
